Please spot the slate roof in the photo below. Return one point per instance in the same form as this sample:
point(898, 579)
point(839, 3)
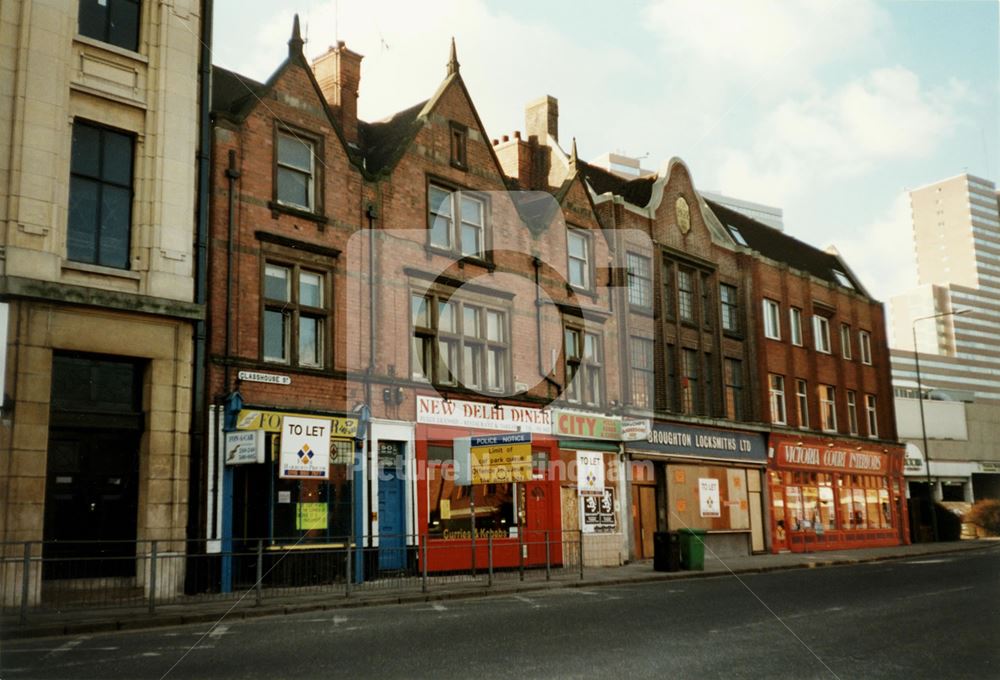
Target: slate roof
point(781, 247)
point(635, 191)
point(383, 142)
point(233, 94)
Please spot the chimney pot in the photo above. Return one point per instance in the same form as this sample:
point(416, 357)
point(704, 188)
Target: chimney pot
point(338, 73)
point(505, 138)
point(517, 134)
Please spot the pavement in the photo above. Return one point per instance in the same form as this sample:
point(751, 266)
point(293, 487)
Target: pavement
point(82, 621)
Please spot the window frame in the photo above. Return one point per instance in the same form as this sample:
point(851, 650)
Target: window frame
point(776, 398)
point(645, 282)
point(772, 319)
point(589, 271)
point(865, 342)
point(827, 396)
point(690, 295)
point(802, 402)
point(871, 411)
point(295, 311)
point(729, 309)
point(734, 382)
point(795, 326)
point(455, 247)
point(102, 183)
point(458, 142)
point(315, 186)
point(846, 350)
point(691, 390)
point(108, 25)
point(647, 373)
point(573, 390)
point(821, 331)
point(852, 412)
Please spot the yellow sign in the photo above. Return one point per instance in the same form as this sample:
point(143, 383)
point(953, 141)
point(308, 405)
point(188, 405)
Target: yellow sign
point(310, 516)
point(270, 421)
point(501, 464)
point(445, 508)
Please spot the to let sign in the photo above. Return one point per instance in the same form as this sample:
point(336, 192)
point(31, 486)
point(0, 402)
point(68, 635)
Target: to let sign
point(590, 473)
point(305, 448)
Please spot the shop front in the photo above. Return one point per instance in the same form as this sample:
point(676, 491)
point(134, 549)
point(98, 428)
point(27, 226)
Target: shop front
point(683, 476)
point(459, 516)
point(834, 494)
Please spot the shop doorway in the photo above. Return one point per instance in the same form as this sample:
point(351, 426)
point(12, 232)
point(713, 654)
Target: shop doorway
point(391, 506)
point(643, 519)
point(92, 467)
point(779, 540)
point(570, 523)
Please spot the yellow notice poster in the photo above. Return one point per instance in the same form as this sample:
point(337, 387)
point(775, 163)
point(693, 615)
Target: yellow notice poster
point(445, 508)
point(501, 464)
point(310, 516)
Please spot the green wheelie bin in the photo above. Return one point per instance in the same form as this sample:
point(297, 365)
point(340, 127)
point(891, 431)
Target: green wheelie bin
point(693, 549)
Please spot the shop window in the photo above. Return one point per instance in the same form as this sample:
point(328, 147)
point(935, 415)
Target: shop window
point(295, 316)
point(852, 412)
point(872, 413)
point(640, 281)
point(802, 401)
point(295, 171)
point(689, 380)
point(457, 222)
point(777, 399)
point(772, 320)
point(845, 341)
point(584, 367)
point(459, 342)
point(100, 196)
point(865, 342)
point(729, 307)
point(580, 260)
point(115, 22)
point(821, 333)
point(450, 507)
point(313, 510)
point(643, 373)
point(685, 294)
point(827, 408)
point(795, 325)
point(734, 389)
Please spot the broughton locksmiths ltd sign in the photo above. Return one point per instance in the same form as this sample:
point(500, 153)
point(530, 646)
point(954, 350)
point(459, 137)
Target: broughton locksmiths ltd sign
point(702, 442)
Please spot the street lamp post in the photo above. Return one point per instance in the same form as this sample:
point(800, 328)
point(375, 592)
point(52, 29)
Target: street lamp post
point(923, 424)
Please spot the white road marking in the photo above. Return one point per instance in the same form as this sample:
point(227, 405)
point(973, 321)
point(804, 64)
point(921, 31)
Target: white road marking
point(438, 607)
point(151, 654)
point(934, 561)
point(528, 601)
point(218, 632)
point(948, 591)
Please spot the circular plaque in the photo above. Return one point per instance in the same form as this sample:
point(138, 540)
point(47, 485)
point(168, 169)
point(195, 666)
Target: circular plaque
point(683, 214)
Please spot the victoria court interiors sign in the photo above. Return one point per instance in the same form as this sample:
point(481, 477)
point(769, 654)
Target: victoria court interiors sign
point(686, 441)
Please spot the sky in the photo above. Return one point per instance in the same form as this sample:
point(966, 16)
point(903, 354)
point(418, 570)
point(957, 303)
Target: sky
point(828, 109)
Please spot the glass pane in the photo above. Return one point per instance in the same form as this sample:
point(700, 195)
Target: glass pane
point(310, 341)
point(572, 343)
point(860, 519)
point(471, 239)
point(446, 317)
point(447, 361)
point(293, 187)
point(440, 201)
point(495, 368)
point(472, 365)
point(276, 283)
point(793, 501)
point(470, 324)
point(494, 326)
point(117, 162)
point(295, 152)
point(310, 289)
point(419, 311)
point(594, 384)
point(872, 507)
point(86, 145)
point(577, 273)
point(123, 29)
point(81, 241)
point(577, 244)
point(590, 349)
point(275, 335)
point(441, 232)
point(420, 349)
point(472, 211)
point(93, 18)
point(115, 225)
point(883, 498)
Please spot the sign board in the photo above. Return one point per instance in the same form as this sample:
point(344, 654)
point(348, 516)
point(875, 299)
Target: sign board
point(599, 513)
point(244, 447)
point(493, 459)
point(708, 497)
point(480, 416)
point(305, 448)
point(311, 516)
point(590, 473)
point(635, 429)
point(825, 457)
point(675, 439)
point(585, 425)
point(258, 377)
point(270, 421)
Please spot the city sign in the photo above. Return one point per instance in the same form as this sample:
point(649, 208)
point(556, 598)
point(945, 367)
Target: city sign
point(585, 425)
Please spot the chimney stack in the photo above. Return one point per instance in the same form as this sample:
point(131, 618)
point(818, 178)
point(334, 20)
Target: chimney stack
point(541, 119)
point(338, 73)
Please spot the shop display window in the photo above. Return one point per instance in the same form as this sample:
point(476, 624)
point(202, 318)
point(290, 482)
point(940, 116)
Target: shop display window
point(314, 510)
point(450, 506)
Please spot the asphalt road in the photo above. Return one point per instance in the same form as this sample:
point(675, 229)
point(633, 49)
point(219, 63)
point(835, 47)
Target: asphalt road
point(929, 617)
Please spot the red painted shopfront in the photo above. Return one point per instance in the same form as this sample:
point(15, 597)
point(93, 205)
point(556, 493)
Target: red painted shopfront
point(518, 517)
point(829, 494)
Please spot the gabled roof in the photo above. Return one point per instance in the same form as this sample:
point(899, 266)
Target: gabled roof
point(781, 247)
point(384, 142)
point(232, 94)
point(636, 191)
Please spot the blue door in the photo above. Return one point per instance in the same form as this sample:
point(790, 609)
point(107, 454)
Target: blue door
point(391, 504)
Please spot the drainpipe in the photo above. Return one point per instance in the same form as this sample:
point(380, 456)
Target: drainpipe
point(232, 175)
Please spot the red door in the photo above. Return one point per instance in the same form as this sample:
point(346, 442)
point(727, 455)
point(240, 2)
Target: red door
point(541, 501)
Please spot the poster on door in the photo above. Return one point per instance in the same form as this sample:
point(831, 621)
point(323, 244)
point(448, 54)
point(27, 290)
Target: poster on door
point(305, 448)
point(599, 513)
point(590, 473)
point(708, 497)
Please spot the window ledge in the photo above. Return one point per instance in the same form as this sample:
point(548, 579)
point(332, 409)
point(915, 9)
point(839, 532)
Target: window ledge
point(733, 335)
point(586, 292)
point(277, 207)
point(459, 259)
point(642, 311)
point(102, 270)
point(113, 49)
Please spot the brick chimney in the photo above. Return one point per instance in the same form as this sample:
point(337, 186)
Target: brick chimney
point(541, 118)
point(338, 73)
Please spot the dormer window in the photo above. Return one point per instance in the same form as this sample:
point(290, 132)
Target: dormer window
point(737, 235)
point(842, 279)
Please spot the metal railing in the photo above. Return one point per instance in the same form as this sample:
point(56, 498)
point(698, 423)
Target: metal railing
point(47, 577)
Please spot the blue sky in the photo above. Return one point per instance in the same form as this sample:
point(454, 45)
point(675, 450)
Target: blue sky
point(829, 109)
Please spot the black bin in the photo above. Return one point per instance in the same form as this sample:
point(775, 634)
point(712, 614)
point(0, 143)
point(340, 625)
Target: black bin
point(666, 551)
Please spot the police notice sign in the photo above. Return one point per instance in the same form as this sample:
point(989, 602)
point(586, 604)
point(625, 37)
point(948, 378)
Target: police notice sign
point(305, 448)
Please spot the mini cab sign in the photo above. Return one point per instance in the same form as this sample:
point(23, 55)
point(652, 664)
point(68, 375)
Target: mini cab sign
point(244, 447)
point(493, 459)
point(305, 448)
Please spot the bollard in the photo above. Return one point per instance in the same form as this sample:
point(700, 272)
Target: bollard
point(25, 581)
point(152, 578)
point(489, 550)
point(347, 589)
point(581, 554)
point(548, 558)
point(520, 553)
point(423, 568)
point(260, 571)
